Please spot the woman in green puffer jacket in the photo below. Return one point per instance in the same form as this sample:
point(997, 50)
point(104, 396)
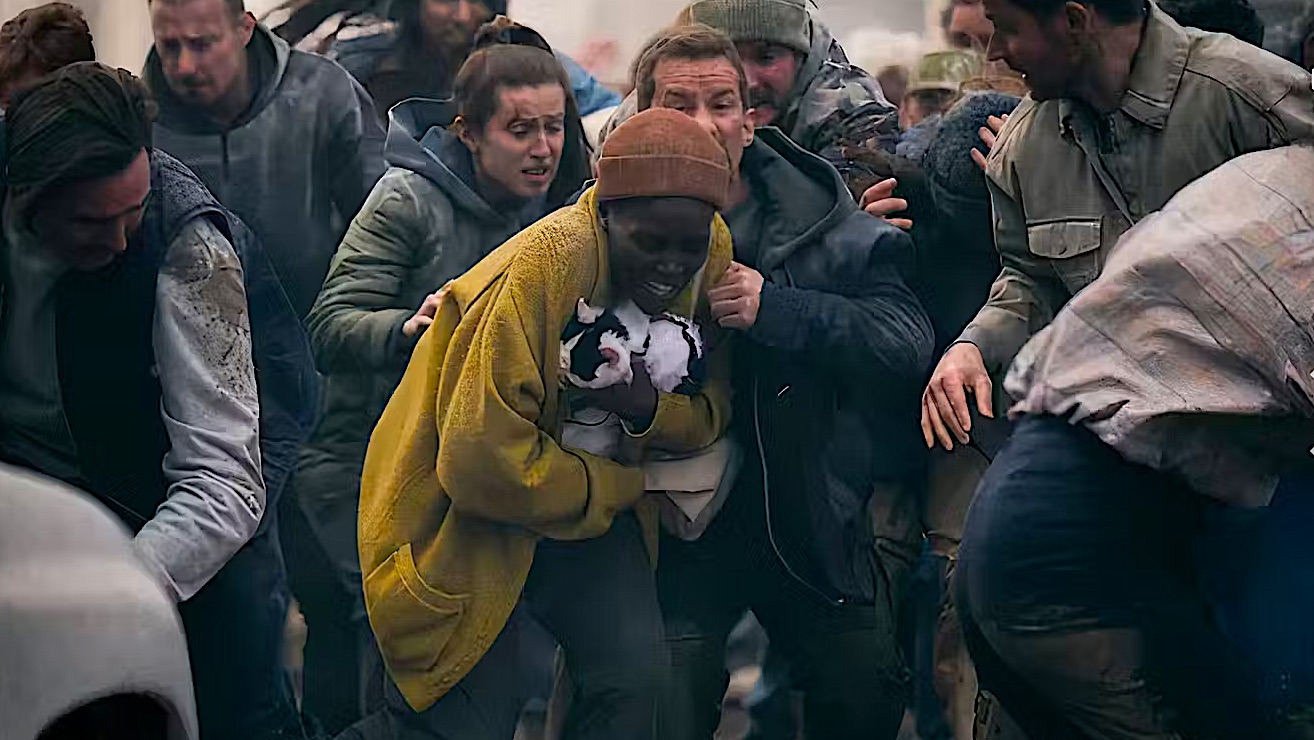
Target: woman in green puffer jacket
point(465, 175)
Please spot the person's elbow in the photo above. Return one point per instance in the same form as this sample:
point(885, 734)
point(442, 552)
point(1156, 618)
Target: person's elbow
point(509, 482)
point(242, 519)
point(903, 338)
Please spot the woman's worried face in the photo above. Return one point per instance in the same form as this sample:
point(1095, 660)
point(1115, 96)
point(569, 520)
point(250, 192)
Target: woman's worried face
point(656, 246)
point(519, 150)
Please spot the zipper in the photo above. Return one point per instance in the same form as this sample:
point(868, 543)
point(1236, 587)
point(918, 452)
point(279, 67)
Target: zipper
point(766, 498)
point(223, 166)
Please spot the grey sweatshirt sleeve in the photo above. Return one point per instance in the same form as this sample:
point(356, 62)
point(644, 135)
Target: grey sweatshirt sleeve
point(202, 340)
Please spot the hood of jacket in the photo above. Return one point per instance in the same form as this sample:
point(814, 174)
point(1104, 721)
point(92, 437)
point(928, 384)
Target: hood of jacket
point(833, 100)
point(418, 140)
point(268, 56)
point(803, 195)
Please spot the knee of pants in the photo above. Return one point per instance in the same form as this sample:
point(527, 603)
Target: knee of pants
point(951, 483)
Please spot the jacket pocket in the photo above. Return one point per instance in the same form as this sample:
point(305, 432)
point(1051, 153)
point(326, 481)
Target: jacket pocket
point(1072, 247)
point(412, 620)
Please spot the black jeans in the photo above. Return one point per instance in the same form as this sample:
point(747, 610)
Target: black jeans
point(1080, 603)
point(234, 629)
point(342, 671)
point(599, 600)
point(844, 658)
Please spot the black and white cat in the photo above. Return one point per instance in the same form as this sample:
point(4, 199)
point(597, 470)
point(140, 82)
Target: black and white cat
point(598, 346)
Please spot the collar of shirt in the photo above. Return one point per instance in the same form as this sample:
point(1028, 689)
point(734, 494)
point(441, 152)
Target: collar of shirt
point(1156, 71)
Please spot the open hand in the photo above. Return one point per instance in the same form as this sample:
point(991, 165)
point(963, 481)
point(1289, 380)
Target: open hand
point(424, 315)
point(988, 137)
point(636, 402)
point(944, 404)
point(880, 202)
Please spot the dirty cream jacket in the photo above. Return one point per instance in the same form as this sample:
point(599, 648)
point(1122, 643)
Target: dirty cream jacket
point(1065, 183)
point(1194, 352)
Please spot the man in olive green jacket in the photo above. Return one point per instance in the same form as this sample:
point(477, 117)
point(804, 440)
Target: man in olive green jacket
point(1127, 108)
point(1120, 119)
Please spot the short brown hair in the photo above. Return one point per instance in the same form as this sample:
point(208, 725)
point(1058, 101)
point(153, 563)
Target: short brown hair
point(509, 55)
point(688, 43)
point(492, 69)
point(43, 40)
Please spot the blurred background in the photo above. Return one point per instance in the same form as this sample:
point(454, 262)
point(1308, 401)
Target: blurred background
point(876, 32)
point(608, 33)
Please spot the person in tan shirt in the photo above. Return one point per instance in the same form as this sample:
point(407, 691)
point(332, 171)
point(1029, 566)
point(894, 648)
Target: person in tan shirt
point(1127, 108)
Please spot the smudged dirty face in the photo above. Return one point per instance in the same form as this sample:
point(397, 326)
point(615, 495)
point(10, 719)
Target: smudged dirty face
point(519, 149)
point(707, 90)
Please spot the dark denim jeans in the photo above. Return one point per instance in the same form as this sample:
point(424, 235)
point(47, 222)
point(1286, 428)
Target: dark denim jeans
point(1255, 568)
point(234, 629)
point(1081, 603)
point(598, 599)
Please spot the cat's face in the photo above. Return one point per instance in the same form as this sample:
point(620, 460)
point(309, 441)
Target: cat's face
point(593, 349)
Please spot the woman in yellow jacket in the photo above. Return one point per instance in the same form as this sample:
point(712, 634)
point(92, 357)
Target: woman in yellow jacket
point(474, 519)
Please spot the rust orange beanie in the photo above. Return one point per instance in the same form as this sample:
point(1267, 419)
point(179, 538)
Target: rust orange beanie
point(663, 153)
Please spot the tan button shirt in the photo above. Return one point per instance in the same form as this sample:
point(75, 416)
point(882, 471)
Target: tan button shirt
point(1066, 183)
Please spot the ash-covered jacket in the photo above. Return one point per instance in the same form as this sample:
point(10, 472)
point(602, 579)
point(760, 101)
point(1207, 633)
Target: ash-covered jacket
point(423, 225)
point(296, 167)
point(1065, 184)
point(1194, 352)
point(158, 394)
point(828, 379)
point(835, 104)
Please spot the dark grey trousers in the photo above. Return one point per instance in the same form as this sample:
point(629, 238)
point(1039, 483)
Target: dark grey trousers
point(598, 599)
point(845, 659)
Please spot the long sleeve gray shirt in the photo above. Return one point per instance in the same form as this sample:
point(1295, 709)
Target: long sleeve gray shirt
point(209, 406)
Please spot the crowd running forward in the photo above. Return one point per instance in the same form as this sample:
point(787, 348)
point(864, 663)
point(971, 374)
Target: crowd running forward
point(989, 406)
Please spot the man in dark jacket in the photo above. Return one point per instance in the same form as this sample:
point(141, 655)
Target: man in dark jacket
point(149, 401)
point(831, 348)
point(287, 140)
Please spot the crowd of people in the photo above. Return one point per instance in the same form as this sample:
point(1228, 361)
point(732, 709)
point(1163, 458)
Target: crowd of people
point(991, 399)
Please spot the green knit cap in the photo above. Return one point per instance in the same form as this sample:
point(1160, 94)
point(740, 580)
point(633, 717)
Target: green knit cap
point(784, 22)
